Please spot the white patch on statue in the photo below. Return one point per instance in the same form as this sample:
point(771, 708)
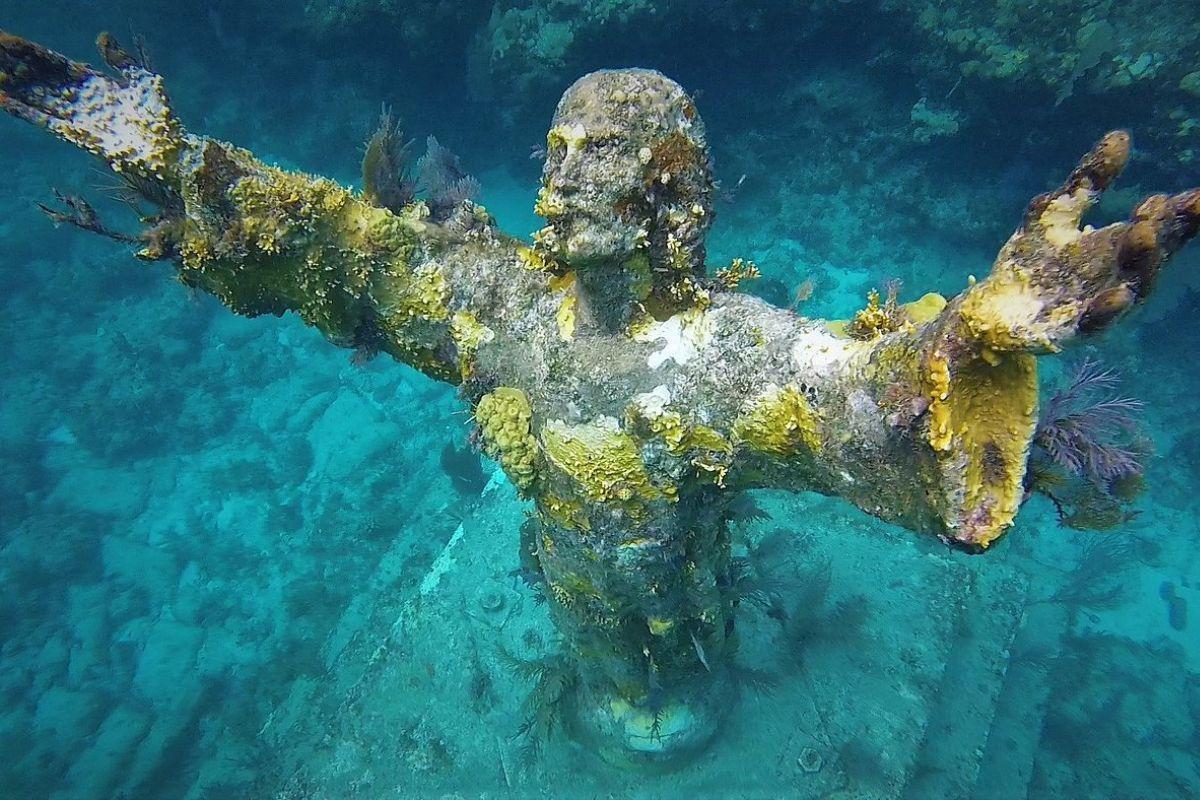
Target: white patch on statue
point(654, 402)
point(820, 353)
point(683, 334)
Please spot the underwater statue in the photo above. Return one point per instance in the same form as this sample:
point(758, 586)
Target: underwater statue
point(630, 395)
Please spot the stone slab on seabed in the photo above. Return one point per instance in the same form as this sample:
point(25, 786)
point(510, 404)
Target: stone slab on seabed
point(1008, 762)
point(422, 709)
point(977, 677)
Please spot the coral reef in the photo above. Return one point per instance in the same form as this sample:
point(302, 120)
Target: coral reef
point(1098, 47)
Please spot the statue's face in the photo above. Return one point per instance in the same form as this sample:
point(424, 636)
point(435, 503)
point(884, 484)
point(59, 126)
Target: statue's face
point(607, 183)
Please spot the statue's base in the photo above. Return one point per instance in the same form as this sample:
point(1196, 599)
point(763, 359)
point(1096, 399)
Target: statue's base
point(642, 737)
point(415, 702)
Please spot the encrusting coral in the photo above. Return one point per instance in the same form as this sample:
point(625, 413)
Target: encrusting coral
point(504, 418)
point(630, 396)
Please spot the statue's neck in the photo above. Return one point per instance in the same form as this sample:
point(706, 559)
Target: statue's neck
point(610, 295)
point(607, 300)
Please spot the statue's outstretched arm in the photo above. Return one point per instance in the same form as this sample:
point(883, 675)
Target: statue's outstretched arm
point(1056, 279)
point(124, 120)
point(266, 241)
point(924, 414)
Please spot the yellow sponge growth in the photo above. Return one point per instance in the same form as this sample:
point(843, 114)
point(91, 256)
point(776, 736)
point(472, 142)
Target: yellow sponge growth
point(982, 419)
point(568, 513)
point(781, 423)
point(468, 334)
point(504, 418)
point(647, 414)
point(276, 254)
point(292, 242)
point(670, 426)
point(925, 308)
point(1006, 311)
point(603, 462)
point(876, 319)
point(549, 203)
point(536, 259)
point(937, 382)
point(565, 317)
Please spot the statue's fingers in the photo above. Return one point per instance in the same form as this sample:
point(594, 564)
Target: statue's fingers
point(1058, 213)
point(1106, 307)
point(1140, 255)
point(1160, 225)
point(122, 61)
point(35, 81)
point(1101, 166)
point(14, 105)
point(1176, 218)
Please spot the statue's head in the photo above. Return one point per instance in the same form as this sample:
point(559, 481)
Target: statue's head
point(627, 174)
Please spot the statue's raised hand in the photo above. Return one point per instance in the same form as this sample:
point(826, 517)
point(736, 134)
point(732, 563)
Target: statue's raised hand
point(1054, 279)
point(124, 118)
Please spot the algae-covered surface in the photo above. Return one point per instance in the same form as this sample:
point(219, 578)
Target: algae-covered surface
point(237, 562)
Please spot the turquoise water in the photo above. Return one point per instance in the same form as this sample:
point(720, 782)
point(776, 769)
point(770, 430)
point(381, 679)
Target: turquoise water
point(236, 563)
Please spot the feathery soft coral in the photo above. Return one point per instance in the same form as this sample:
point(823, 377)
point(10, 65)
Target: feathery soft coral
point(1085, 427)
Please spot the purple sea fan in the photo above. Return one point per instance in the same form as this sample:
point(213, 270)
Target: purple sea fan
point(1085, 428)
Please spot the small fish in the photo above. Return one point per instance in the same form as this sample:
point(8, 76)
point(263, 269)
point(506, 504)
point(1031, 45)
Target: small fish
point(777, 612)
point(1177, 613)
point(803, 293)
point(729, 194)
point(700, 651)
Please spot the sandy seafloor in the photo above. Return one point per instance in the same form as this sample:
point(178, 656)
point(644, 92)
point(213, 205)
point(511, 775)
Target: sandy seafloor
point(231, 564)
